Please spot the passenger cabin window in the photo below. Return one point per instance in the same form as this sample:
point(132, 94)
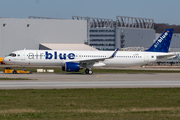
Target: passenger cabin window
point(12, 55)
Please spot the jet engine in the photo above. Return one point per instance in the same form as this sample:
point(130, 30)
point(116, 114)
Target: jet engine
point(71, 67)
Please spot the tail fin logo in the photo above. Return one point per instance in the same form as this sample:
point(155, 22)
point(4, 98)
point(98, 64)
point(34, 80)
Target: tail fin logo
point(163, 42)
point(161, 39)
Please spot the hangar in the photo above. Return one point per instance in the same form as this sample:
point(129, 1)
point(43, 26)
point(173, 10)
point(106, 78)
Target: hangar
point(17, 34)
point(107, 34)
point(127, 33)
point(60, 46)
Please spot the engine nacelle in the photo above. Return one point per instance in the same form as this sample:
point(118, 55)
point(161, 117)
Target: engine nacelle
point(71, 67)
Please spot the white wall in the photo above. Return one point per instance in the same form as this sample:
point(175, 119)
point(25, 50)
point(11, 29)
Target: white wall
point(16, 35)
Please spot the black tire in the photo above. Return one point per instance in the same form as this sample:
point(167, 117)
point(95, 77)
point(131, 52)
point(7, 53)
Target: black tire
point(87, 71)
point(30, 72)
point(14, 72)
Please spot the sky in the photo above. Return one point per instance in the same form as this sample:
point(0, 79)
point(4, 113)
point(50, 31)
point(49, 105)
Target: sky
point(162, 11)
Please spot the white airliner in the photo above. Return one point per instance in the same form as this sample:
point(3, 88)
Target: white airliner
point(72, 61)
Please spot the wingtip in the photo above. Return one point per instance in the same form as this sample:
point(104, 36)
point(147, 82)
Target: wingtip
point(114, 54)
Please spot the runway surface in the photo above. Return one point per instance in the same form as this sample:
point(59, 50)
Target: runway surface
point(62, 81)
point(102, 84)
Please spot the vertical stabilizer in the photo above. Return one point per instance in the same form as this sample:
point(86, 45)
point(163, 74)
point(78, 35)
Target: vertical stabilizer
point(163, 42)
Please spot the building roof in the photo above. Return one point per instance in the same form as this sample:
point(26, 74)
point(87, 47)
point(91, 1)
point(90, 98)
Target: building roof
point(58, 46)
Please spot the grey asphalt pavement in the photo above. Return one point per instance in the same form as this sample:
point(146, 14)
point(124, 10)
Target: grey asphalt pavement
point(61, 81)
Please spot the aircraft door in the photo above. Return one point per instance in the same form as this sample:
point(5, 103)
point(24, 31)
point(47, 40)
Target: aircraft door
point(23, 55)
point(146, 57)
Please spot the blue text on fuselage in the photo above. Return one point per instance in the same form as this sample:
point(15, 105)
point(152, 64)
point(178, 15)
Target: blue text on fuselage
point(61, 56)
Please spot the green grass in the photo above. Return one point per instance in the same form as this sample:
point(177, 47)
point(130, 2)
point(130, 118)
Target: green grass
point(15, 78)
point(58, 70)
point(96, 104)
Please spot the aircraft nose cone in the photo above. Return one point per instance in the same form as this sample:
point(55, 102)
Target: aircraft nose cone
point(5, 60)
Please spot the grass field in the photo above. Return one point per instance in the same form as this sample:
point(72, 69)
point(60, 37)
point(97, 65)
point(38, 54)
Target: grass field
point(91, 104)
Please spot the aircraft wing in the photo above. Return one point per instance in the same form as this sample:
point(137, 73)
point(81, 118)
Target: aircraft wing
point(99, 59)
point(91, 62)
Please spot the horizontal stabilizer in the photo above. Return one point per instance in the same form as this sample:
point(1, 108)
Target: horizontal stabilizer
point(165, 57)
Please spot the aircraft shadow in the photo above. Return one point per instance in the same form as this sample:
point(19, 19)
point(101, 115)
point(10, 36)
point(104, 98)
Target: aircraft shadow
point(72, 73)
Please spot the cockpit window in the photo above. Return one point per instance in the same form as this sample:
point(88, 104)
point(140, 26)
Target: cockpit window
point(12, 55)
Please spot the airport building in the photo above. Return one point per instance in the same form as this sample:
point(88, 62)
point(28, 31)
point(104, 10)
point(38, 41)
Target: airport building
point(106, 34)
point(19, 34)
point(126, 33)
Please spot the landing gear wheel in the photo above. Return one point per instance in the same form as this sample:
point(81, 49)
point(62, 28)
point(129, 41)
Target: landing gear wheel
point(90, 72)
point(87, 71)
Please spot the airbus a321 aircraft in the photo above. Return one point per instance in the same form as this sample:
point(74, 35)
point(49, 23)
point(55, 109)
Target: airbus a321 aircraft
point(72, 61)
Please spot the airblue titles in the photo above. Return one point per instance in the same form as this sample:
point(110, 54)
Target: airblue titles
point(61, 56)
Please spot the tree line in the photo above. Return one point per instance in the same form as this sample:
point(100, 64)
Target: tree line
point(161, 27)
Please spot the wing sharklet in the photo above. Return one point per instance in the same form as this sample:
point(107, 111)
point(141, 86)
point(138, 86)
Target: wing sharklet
point(114, 54)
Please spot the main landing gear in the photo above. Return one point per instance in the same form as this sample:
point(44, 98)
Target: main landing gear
point(88, 71)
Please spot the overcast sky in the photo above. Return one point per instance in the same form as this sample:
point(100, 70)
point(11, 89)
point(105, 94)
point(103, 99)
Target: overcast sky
point(162, 11)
